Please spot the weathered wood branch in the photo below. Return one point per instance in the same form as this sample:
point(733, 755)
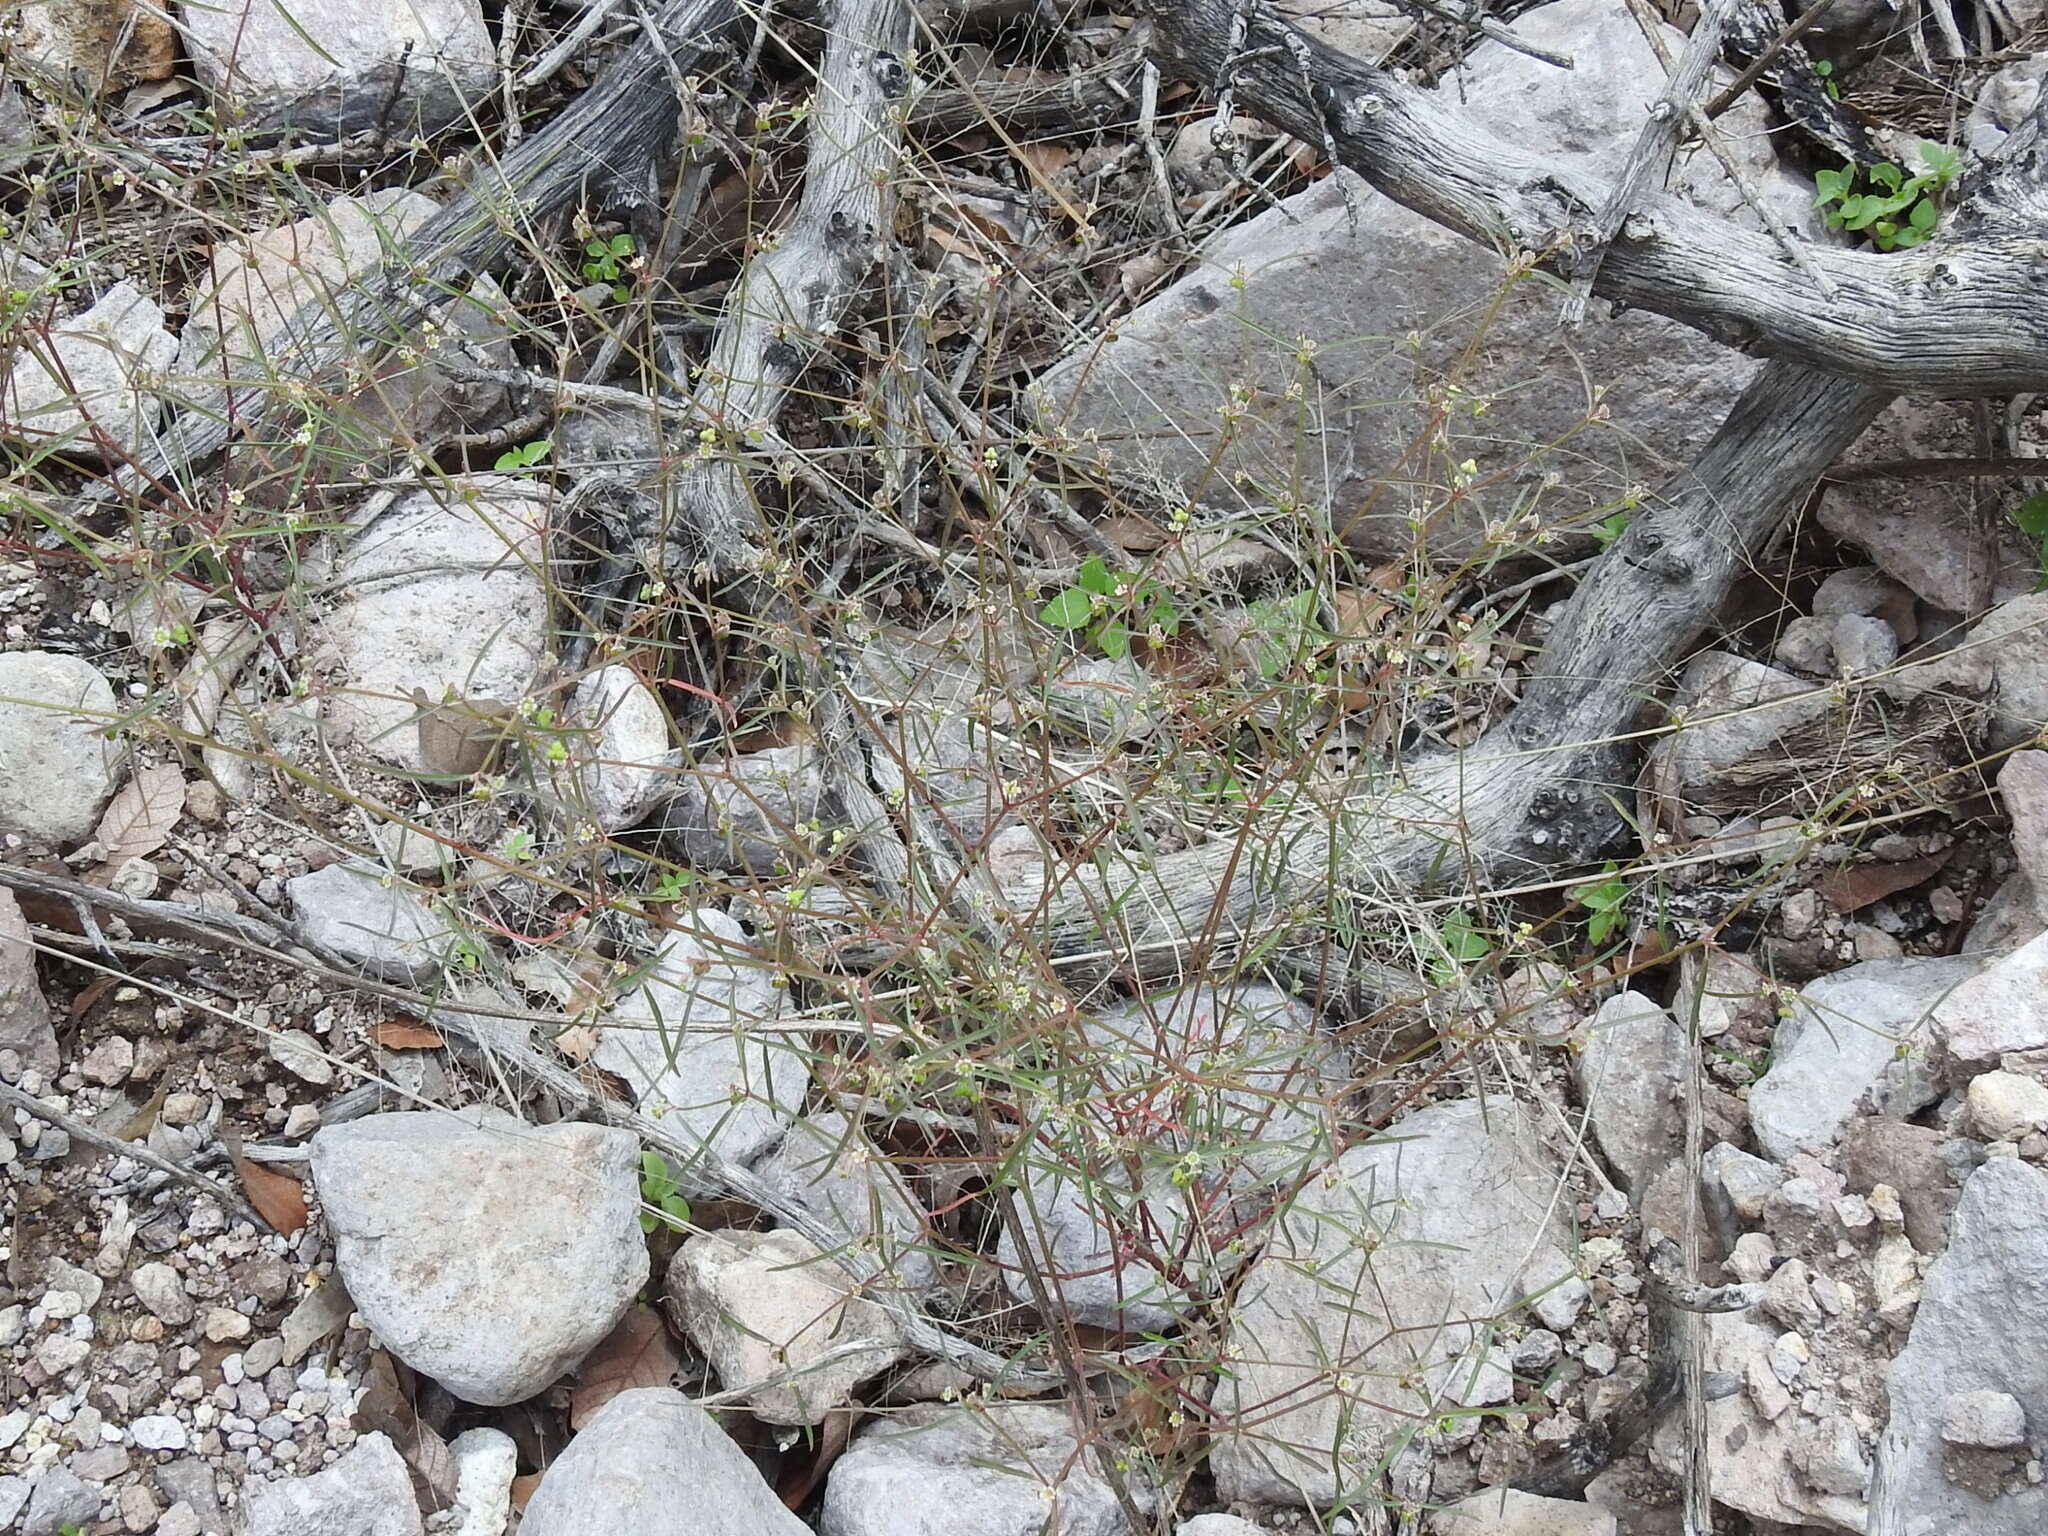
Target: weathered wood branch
point(794, 296)
point(1534, 793)
point(1973, 301)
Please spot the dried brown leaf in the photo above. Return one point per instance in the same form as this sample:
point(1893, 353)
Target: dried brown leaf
point(1848, 890)
point(405, 1035)
point(801, 1473)
point(387, 1408)
point(637, 1353)
point(524, 1487)
point(139, 819)
point(1043, 159)
point(461, 737)
point(279, 1198)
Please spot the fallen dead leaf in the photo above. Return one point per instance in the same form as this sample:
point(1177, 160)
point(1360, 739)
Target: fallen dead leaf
point(1043, 159)
point(637, 1353)
point(524, 1487)
point(387, 1407)
point(139, 819)
point(1848, 890)
point(279, 1198)
point(801, 1473)
point(405, 1035)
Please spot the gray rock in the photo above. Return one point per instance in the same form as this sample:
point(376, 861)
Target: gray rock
point(298, 1052)
point(327, 68)
point(26, 1027)
point(486, 1465)
point(1921, 533)
point(95, 376)
point(159, 1432)
point(2002, 104)
point(1118, 1237)
point(1216, 1525)
point(1828, 1456)
point(368, 1492)
point(1982, 1326)
point(2009, 644)
point(1863, 647)
point(1736, 1185)
point(1266, 374)
point(382, 923)
point(253, 286)
point(749, 812)
point(946, 767)
point(1737, 712)
point(620, 764)
point(1860, 1031)
point(1988, 1420)
point(651, 1463)
point(486, 1253)
point(2001, 1009)
point(761, 1304)
point(1918, 1163)
point(995, 1469)
point(96, 47)
point(827, 1165)
point(1631, 1061)
point(14, 1495)
point(1510, 1512)
point(57, 767)
point(2005, 1106)
point(443, 597)
point(696, 1037)
point(61, 1498)
point(2023, 790)
point(1365, 29)
point(1370, 1299)
point(1758, 1441)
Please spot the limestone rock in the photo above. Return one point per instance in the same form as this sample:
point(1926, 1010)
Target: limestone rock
point(759, 1304)
point(94, 376)
point(368, 1492)
point(1630, 1064)
point(827, 1166)
point(620, 757)
point(1510, 1512)
point(75, 41)
point(650, 1463)
point(1266, 374)
point(745, 813)
point(330, 68)
point(443, 597)
point(1010, 1469)
point(26, 1027)
point(1239, 1078)
point(57, 766)
point(1363, 1313)
point(2002, 1008)
point(382, 923)
point(486, 1253)
point(1982, 1326)
point(696, 1038)
point(1863, 1030)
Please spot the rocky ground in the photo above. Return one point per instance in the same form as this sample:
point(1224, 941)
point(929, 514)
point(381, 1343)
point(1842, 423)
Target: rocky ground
point(498, 1031)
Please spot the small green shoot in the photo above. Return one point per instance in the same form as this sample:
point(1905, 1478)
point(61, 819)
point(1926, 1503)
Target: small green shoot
point(1111, 609)
point(2032, 517)
point(1461, 943)
point(1286, 630)
point(1610, 528)
point(658, 1189)
point(1604, 901)
point(1894, 210)
point(514, 460)
point(606, 263)
point(1825, 68)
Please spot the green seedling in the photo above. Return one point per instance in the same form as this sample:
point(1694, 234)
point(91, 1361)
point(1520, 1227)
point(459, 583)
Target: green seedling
point(1895, 211)
point(1610, 528)
point(2032, 517)
point(658, 1189)
point(1825, 68)
point(1286, 630)
point(1460, 944)
point(605, 262)
point(1111, 609)
point(1604, 901)
point(513, 460)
